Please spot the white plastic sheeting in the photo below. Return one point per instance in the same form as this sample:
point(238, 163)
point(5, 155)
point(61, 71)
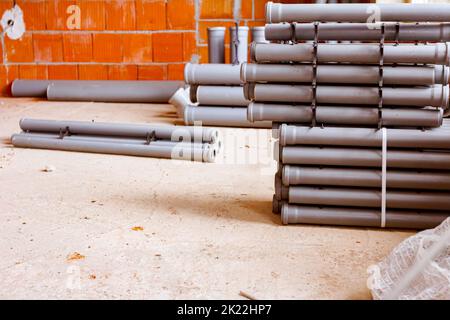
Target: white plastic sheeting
point(417, 269)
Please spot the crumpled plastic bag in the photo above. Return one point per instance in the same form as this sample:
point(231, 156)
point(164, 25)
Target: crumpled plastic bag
point(432, 283)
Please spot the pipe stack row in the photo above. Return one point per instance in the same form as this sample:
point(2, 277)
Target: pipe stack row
point(164, 141)
point(217, 97)
point(216, 94)
point(360, 129)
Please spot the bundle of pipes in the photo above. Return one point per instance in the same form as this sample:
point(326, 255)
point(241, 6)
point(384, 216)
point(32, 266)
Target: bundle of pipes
point(158, 141)
point(363, 177)
point(362, 135)
point(97, 90)
point(217, 97)
point(216, 93)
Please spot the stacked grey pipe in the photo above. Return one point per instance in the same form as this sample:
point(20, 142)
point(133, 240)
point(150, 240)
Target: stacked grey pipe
point(163, 141)
point(216, 94)
point(329, 102)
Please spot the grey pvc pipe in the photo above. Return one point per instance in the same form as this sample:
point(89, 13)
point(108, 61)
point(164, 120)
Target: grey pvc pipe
point(352, 177)
point(212, 74)
point(437, 138)
point(346, 74)
point(345, 115)
point(369, 198)
point(114, 91)
point(357, 157)
point(436, 96)
point(169, 152)
point(30, 88)
point(351, 53)
point(219, 95)
point(173, 133)
point(216, 45)
point(101, 91)
point(360, 217)
point(221, 116)
point(407, 32)
point(112, 139)
point(356, 12)
point(258, 35)
point(242, 49)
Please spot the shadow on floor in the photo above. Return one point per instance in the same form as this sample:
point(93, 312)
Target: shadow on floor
point(225, 206)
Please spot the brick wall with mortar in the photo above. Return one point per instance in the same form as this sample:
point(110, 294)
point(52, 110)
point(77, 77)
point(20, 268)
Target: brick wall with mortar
point(115, 39)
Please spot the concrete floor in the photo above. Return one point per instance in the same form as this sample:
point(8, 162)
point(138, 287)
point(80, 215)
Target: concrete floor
point(103, 226)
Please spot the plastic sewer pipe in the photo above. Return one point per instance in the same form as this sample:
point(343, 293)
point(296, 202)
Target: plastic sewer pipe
point(362, 217)
point(361, 116)
point(212, 74)
point(437, 138)
point(218, 95)
point(278, 12)
point(172, 133)
point(216, 45)
point(99, 91)
point(359, 177)
point(436, 96)
point(346, 74)
point(359, 157)
point(351, 53)
point(369, 198)
point(206, 154)
point(112, 139)
point(407, 32)
point(221, 116)
point(242, 49)
point(258, 35)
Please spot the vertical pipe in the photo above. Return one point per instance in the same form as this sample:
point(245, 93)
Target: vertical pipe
point(258, 35)
point(216, 45)
point(242, 41)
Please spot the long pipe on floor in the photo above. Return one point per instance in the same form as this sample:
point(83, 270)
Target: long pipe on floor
point(218, 95)
point(437, 138)
point(362, 116)
point(356, 12)
point(221, 116)
point(112, 139)
point(99, 91)
point(360, 217)
point(352, 177)
point(351, 53)
point(139, 92)
point(436, 96)
point(354, 157)
point(206, 154)
point(407, 32)
point(369, 198)
point(173, 133)
point(346, 74)
point(212, 74)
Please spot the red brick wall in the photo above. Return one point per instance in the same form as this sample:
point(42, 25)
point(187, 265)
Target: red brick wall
point(117, 39)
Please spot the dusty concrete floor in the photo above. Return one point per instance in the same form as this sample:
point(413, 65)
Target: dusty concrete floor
point(102, 226)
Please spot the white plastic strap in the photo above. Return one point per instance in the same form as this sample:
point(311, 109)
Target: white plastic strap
point(383, 177)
